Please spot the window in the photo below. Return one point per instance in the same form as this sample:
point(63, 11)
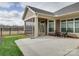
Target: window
point(77, 25)
point(63, 26)
point(70, 25)
point(51, 26)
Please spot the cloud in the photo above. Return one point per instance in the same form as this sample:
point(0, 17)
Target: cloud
point(11, 14)
point(11, 18)
point(5, 4)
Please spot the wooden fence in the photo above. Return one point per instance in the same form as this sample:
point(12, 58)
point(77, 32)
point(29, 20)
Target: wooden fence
point(11, 31)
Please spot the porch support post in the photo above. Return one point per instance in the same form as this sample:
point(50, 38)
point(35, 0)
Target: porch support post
point(47, 26)
point(36, 27)
point(73, 25)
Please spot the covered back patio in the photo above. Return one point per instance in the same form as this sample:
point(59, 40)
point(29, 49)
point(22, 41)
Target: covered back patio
point(38, 22)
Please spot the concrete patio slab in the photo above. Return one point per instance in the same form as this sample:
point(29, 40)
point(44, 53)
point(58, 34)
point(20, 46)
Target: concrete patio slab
point(48, 46)
point(74, 52)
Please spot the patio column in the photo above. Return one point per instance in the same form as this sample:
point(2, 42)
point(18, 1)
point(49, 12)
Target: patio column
point(47, 26)
point(73, 25)
point(36, 27)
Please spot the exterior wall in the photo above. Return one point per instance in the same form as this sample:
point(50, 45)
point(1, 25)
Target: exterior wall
point(57, 26)
point(67, 17)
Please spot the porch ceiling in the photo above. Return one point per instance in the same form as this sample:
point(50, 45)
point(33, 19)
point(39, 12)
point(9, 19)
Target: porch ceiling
point(46, 16)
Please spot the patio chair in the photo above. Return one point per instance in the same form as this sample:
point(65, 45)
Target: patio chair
point(65, 34)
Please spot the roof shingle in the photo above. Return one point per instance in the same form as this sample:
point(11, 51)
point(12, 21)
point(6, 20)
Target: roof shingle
point(41, 11)
point(68, 9)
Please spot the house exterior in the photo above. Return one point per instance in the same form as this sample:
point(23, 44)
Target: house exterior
point(40, 22)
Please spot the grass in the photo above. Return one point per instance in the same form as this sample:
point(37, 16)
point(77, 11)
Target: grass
point(8, 46)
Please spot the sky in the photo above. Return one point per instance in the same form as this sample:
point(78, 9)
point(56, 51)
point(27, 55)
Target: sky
point(11, 12)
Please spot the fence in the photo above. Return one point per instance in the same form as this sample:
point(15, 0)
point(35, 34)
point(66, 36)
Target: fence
point(11, 31)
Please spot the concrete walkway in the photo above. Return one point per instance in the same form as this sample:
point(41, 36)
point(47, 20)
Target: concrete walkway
point(49, 46)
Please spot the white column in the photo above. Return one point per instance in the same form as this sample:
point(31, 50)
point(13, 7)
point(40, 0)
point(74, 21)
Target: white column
point(60, 25)
point(47, 26)
point(54, 25)
point(36, 27)
point(73, 25)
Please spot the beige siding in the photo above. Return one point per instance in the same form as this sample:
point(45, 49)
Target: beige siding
point(57, 26)
point(29, 14)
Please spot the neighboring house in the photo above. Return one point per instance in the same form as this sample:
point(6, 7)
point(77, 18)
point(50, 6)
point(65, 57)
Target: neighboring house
point(42, 22)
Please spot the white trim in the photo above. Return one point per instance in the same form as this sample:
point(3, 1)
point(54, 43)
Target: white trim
point(45, 14)
point(66, 14)
point(54, 25)
point(29, 18)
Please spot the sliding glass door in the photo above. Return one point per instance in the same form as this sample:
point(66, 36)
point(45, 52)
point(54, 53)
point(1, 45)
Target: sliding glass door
point(63, 26)
point(51, 26)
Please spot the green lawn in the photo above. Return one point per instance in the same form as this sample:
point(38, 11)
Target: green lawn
point(8, 46)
